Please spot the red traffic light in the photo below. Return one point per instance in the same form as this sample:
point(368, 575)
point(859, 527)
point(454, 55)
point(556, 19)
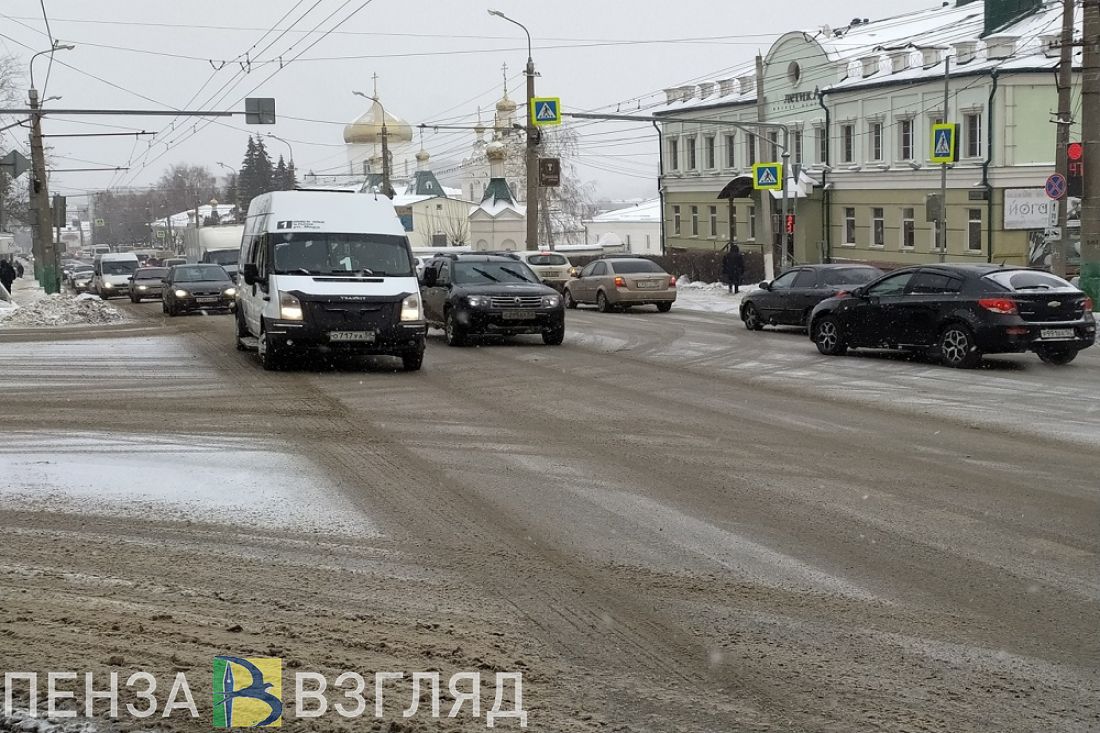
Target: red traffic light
point(1075, 151)
point(790, 224)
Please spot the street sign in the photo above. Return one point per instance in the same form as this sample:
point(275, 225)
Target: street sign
point(549, 172)
point(545, 111)
point(15, 163)
point(767, 176)
point(259, 111)
point(160, 234)
point(945, 143)
point(1056, 187)
point(100, 223)
point(933, 207)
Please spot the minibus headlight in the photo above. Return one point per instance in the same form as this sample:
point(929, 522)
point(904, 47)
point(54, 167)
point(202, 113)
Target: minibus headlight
point(410, 308)
point(290, 308)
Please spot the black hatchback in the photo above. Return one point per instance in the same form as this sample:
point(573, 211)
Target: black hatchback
point(959, 312)
point(789, 299)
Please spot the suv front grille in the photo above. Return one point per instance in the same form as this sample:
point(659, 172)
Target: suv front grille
point(516, 301)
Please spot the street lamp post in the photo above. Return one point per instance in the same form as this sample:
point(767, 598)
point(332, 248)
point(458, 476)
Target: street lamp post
point(287, 143)
point(46, 265)
point(387, 189)
point(532, 142)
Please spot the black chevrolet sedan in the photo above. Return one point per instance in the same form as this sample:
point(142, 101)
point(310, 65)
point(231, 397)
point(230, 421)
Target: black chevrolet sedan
point(789, 299)
point(197, 287)
point(959, 313)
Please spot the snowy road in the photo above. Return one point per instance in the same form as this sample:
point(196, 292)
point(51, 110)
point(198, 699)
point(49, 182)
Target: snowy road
point(668, 523)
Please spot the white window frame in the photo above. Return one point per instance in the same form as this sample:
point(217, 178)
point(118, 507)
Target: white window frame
point(674, 154)
point(796, 147)
point(691, 149)
point(750, 146)
point(906, 139)
point(713, 216)
point(878, 226)
point(908, 216)
point(695, 221)
point(731, 151)
point(875, 139)
point(752, 223)
point(974, 144)
point(849, 225)
point(848, 143)
point(820, 143)
point(970, 222)
point(677, 222)
point(710, 152)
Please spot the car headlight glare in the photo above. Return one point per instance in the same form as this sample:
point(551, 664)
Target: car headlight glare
point(551, 301)
point(230, 292)
point(142, 287)
point(181, 293)
point(478, 301)
point(290, 308)
point(410, 308)
point(107, 286)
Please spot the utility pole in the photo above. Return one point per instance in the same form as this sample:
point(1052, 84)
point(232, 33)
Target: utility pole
point(45, 253)
point(764, 215)
point(1090, 126)
point(533, 135)
point(942, 236)
point(1065, 112)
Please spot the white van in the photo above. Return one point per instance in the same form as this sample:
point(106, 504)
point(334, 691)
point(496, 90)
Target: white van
point(113, 271)
point(329, 271)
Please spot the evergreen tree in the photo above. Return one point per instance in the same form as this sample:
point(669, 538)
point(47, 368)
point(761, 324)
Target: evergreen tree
point(247, 185)
point(291, 177)
point(279, 182)
point(265, 171)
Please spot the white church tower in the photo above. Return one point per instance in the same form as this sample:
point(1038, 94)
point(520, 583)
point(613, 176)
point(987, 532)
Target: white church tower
point(498, 223)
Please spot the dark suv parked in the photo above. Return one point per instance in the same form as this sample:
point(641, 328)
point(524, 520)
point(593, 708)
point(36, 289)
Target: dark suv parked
point(489, 295)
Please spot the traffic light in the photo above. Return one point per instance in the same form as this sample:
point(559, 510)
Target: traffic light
point(790, 224)
point(1075, 177)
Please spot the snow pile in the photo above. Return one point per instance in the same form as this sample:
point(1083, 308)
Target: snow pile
point(61, 310)
point(685, 283)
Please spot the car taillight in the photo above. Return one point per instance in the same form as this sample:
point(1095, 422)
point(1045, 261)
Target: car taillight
point(1088, 304)
point(1004, 306)
point(620, 282)
point(672, 281)
point(841, 294)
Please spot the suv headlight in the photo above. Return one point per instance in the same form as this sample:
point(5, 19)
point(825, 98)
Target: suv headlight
point(551, 301)
point(290, 308)
point(479, 301)
point(410, 308)
point(229, 292)
point(181, 294)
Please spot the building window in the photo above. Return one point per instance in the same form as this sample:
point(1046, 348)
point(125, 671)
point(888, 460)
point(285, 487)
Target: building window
point(731, 151)
point(673, 154)
point(708, 152)
point(750, 144)
point(675, 219)
point(905, 135)
point(773, 146)
point(714, 221)
point(973, 124)
point(878, 227)
point(752, 223)
point(820, 153)
point(695, 221)
point(876, 141)
point(974, 231)
point(908, 229)
point(796, 144)
point(848, 143)
point(692, 163)
point(849, 226)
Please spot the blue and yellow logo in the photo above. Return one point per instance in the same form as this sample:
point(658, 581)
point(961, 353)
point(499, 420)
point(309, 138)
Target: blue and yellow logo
point(248, 692)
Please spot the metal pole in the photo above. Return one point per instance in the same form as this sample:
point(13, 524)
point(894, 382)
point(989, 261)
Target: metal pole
point(1065, 110)
point(784, 256)
point(532, 160)
point(942, 236)
point(1090, 125)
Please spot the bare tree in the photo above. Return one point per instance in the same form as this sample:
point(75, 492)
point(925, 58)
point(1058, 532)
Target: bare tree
point(13, 195)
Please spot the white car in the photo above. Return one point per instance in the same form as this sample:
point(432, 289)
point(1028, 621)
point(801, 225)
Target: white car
point(551, 267)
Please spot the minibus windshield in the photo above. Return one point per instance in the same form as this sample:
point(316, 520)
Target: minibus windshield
point(308, 253)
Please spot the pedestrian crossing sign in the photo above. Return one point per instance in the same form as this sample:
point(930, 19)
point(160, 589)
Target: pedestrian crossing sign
point(945, 143)
point(545, 111)
point(767, 176)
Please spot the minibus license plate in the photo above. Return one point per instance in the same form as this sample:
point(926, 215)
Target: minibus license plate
point(364, 336)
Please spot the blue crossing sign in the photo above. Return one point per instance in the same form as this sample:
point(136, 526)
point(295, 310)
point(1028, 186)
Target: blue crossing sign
point(1056, 187)
point(945, 143)
point(767, 176)
point(545, 111)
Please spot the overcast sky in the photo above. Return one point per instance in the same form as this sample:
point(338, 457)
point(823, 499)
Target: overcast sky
point(436, 62)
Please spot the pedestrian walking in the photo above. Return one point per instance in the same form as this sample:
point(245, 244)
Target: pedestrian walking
point(19, 269)
point(733, 267)
point(7, 274)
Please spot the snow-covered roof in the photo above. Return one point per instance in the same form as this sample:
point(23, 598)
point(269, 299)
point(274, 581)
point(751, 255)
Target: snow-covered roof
point(893, 48)
point(183, 218)
point(495, 208)
point(646, 211)
point(408, 199)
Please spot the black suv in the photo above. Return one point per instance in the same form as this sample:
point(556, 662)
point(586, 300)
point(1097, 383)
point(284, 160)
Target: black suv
point(489, 295)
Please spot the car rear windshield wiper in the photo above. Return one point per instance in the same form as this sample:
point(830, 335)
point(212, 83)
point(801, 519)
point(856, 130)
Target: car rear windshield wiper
point(486, 274)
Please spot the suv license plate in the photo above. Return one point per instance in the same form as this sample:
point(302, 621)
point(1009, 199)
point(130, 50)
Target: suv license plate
point(519, 315)
point(366, 336)
point(206, 300)
point(1057, 334)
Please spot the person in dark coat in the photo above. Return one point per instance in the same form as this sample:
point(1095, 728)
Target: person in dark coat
point(18, 269)
point(733, 267)
point(7, 274)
